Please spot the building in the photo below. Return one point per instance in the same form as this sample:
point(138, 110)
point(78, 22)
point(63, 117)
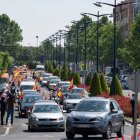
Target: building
point(125, 15)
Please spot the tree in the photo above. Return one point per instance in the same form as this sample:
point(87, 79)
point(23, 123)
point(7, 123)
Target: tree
point(104, 85)
point(95, 87)
point(56, 73)
point(64, 75)
point(118, 87)
point(76, 79)
point(10, 33)
point(132, 45)
point(88, 79)
point(50, 68)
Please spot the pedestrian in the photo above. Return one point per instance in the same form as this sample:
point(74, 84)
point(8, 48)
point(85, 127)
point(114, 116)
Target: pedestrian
point(3, 105)
point(10, 108)
point(133, 107)
point(13, 88)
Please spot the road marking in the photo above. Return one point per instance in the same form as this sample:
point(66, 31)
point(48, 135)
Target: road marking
point(6, 132)
point(41, 136)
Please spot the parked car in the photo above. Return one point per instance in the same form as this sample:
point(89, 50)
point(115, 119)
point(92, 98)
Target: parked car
point(93, 116)
point(72, 100)
point(46, 115)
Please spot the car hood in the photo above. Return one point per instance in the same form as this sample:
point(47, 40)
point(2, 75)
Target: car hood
point(73, 100)
point(27, 105)
point(44, 81)
point(52, 84)
point(80, 114)
point(48, 115)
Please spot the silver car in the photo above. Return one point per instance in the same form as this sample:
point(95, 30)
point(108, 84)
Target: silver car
point(46, 115)
point(95, 116)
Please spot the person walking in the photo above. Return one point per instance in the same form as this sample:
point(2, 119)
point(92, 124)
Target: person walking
point(133, 107)
point(3, 105)
point(13, 88)
point(10, 108)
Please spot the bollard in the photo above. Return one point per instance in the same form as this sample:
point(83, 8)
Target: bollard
point(138, 136)
point(117, 138)
point(132, 137)
point(122, 137)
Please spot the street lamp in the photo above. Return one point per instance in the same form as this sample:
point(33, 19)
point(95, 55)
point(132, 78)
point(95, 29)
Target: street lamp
point(60, 31)
point(97, 35)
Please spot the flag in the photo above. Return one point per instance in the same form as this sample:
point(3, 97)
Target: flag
point(71, 85)
point(59, 93)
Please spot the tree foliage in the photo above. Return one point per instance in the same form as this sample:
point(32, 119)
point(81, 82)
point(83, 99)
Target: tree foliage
point(95, 87)
point(88, 79)
point(56, 72)
point(76, 79)
point(104, 85)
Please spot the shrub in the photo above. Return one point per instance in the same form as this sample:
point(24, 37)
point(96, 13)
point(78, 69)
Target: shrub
point(46, 67)
point(65, 68)
point(95, 87)
point(31, 64)
point(104, 85)
point(118, 87)
point(64, 75)
point(54, 66)
point(76, 79)
point(56, 73)
point(51, 68)
point(88, 79)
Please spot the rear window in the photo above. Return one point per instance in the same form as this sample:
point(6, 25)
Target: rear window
point(25, 87)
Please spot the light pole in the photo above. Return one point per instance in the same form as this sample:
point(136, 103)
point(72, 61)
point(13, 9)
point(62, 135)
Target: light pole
point(97, 36)
point(99, 4)
point(60, 31)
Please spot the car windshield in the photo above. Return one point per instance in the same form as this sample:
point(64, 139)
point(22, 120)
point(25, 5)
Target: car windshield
point(45, 79)
point(77, 90)
point(63, 84)
point(46, 109)
point(39, 69)
point(92, 106)
point(74, 96)
point(54, 81)
point(30, 92)
point(23, 87)
point(32, 99)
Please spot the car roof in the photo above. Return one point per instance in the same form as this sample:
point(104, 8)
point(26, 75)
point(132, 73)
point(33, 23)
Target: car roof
point(39, 101)
point(64, 81)
point(29, 90)
point(97, 99)
point(45, 103)
point(27, 83)
point(31, 95)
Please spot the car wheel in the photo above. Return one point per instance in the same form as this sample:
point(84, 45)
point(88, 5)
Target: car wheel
point(85, 136)
point(108, 133)
point(70, 135)
point(121, 131)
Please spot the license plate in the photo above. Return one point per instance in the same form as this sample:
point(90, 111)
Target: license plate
point(83, 126)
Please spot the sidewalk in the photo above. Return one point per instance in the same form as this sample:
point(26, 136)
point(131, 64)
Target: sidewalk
point(2, 129)
point(128, 121)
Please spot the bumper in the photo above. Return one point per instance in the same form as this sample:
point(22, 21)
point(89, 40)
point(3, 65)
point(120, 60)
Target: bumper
point(90, 129)
point(47, 125)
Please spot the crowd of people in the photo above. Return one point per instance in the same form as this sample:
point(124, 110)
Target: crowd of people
point(7, 104)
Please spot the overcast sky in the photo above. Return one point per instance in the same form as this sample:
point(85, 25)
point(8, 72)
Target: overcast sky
point(42, 18)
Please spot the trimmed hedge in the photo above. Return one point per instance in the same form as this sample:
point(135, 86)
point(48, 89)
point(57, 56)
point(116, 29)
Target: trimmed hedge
point(76, 79)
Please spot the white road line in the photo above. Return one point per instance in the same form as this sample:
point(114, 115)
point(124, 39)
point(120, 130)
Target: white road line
point(6, 132)
point(49, 136)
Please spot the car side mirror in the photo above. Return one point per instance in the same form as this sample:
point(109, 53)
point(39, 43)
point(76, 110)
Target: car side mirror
point(114, 111)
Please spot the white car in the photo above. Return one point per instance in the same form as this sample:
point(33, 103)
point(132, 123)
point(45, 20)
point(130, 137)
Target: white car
point(46, 115)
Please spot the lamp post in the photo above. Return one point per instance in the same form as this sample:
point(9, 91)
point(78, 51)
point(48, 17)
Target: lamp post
point(97, 37)
point(60, 31)
point(114, 55)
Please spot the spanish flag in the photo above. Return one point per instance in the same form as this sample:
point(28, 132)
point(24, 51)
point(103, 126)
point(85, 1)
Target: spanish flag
point(59, 93)
point(71, 85)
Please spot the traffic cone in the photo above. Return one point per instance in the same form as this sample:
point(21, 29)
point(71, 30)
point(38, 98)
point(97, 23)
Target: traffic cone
point(122, 137)
point(117, 138)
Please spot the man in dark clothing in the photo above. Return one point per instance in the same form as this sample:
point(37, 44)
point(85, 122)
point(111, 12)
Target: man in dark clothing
point(10, 108)
point(3, 106)
point(133, 107)
point(13, 88)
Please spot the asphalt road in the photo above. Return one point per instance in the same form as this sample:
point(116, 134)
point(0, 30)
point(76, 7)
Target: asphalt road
point(20, 131)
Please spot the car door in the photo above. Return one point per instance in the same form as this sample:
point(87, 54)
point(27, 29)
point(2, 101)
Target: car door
point(114, 116)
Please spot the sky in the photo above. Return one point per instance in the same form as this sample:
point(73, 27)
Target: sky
point(43, 18)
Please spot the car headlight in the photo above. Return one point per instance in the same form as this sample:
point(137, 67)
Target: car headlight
point(34, 118)
point(61, 119)
point(99, 118)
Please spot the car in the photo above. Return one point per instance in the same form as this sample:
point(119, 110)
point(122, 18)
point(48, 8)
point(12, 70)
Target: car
point(72, 100)
point(124, 83)
point(95, 115)
point(52, 83)
point(108, 80)
point(46, 75)
point(27, 103)
point(52, 77)
point(61, 83)
point(44, 81)
point(46, 115)
point(79, 91)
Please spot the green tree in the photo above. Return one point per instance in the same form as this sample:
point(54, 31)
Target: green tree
point(104, 85)
point(131, 50)
point(95, 87)
point(88, 79)
point(76, 79)
point(50, 68)
point(64, 75)
point(118, 87)
point(56, 73)
point(10, 33)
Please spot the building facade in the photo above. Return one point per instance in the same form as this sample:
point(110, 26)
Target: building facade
point(125, 14)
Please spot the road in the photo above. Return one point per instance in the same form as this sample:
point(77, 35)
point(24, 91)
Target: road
point(20, 131)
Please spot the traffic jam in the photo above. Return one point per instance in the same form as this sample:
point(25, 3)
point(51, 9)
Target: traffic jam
point(45, 109)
